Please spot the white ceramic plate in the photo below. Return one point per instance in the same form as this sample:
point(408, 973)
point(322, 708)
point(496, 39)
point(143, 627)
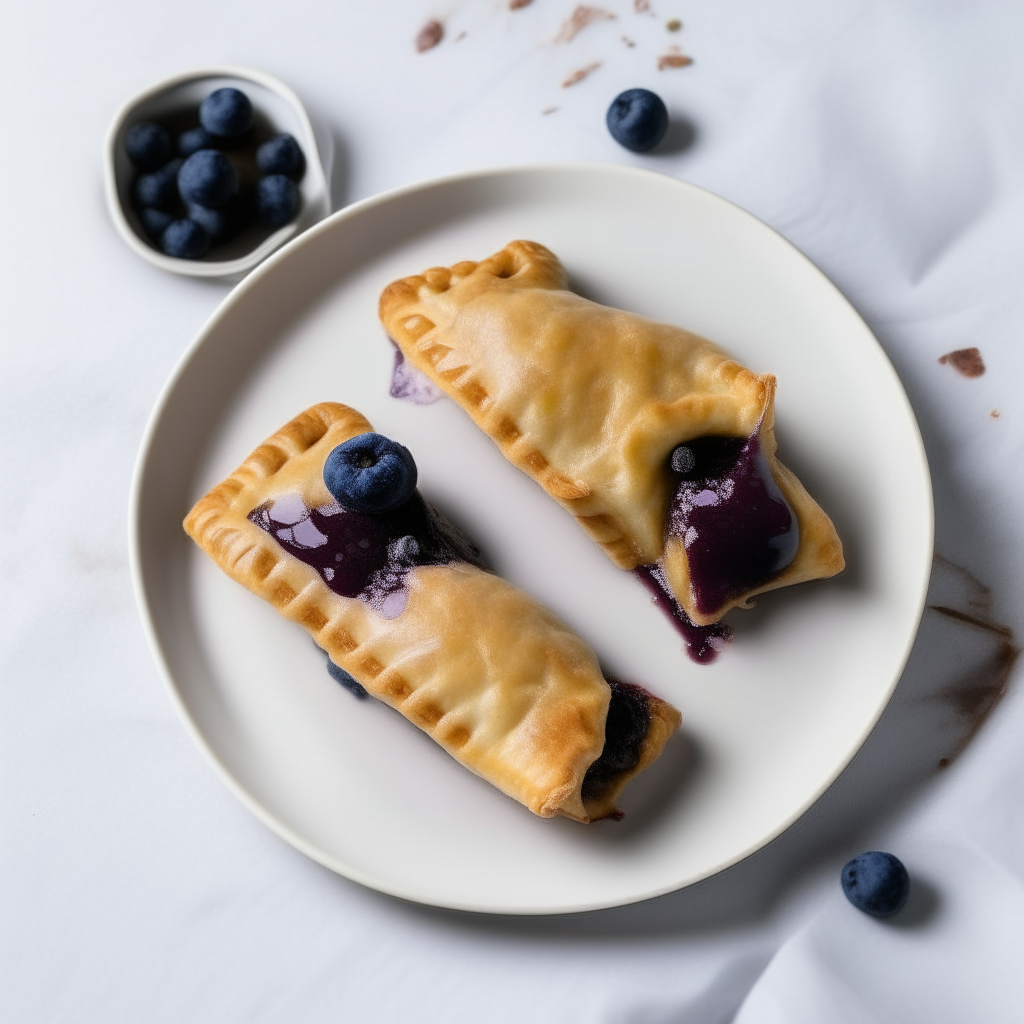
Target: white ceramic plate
point(766, 728)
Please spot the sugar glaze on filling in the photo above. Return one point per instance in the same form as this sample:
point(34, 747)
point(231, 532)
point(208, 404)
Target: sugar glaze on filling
point(736, 525)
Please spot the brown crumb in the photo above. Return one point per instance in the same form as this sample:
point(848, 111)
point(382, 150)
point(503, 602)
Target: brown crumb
point(641, 6)
point(549, 110)
point(995, 414)
point(627, 41)
point(459, 37)
point(673, 58)
point(578, 76)
point(429, 36)
point(674, 25)
point(514, 5)
point(579, 20)
point(966, 361)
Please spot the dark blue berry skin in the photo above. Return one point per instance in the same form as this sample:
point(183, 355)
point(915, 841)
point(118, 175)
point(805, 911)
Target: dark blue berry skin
point(370, 473)
point(637, 119)
point(876, 883)
point(158, 189)
point(185, 239)
point(339, 675)
point(281, 155)
point(207, 178)
point(226, 112)
point(215, 222)
point(148, 145)
point(194, 140)
point(155, 222)
point(277, 200)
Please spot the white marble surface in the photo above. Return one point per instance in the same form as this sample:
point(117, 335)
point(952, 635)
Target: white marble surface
point(886, 139)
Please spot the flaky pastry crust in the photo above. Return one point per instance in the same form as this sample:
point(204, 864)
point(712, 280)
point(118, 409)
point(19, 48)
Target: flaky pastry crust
point(590, 401)
point(487, 672)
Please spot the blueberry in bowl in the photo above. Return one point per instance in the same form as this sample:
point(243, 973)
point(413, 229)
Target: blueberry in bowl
point(227, 112)
point(185, 239)
point(277, 200)
point(370, 473)
point(158, 189)
point(208, 178)
point(280, 155)
point(193, 140)
point(876, 883)
point(148, 145)
point(637, 119)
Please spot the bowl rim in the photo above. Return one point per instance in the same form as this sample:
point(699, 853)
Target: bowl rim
point(221, 269)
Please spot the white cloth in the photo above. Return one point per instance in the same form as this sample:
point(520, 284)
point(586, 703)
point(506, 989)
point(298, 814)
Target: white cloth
point(883, 137)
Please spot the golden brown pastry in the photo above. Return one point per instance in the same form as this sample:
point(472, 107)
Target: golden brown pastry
point(397, 599)
point(660, 445)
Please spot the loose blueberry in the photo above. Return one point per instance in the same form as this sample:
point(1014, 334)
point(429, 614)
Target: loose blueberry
point(159, 189)
point(207, 178)
point(226, 112)
point(185, 239)
point(277, 200)
point(370, 473)
point(194, 140)
point(280, 155)
point(155, 222)
point(148, 145)
point(339, 675)
point(215, 222)
point(876, 883)
point(637, 119)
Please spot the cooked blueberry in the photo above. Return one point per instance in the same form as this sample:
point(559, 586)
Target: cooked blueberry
point(637, 119)
point(194, 140)
point(216, 222)
point(226, 112)
point(280, 155)
point(876, 883)
point(339, 675)
point(277, 199)
point(155, 222)
point(185, 239)
point(683, 460)
point(370, 473)
point(208, 178)
point(158, 189)
point(148, 145)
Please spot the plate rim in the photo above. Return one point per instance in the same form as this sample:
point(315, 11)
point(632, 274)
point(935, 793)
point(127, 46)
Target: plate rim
point(252, 281)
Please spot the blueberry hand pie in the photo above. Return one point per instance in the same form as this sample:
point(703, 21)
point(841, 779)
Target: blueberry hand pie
point(324, 521)
point(660, 445)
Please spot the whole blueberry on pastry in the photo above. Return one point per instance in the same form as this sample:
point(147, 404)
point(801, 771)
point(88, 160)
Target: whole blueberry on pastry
point(226, 112)
point(877, 883)
point(660, 444)
point(402, 605)
point(637, 119)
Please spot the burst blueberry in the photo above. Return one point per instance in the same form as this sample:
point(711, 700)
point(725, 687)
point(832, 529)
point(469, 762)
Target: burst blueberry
point(339, 675)
point(194, 140)
point(280, 155)
point(207, 178)
point(158, 189)
point(370, 473)
point(226, 112)
point(148, 145)
point(637, 119)
point(876, 883)
point(155, 222)
point(277, 199)
point(185, 239)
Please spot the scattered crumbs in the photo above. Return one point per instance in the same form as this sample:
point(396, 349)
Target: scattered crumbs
point(429, 36)
point(673, 58)
point(514, 5)
point(459, 37)
point(549, 110)
point(578, 76)
point(579, 20)
point(995, 414)
point(674, 25)
point(966, 361)
point(641, 6)
point(627, 41)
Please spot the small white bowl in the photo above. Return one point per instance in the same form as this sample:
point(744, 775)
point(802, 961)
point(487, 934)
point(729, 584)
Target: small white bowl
point(276, 106)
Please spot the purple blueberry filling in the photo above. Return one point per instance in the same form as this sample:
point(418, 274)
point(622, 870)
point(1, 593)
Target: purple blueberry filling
point(625, 730)
point(411, 384)
point(365, 556)
point(736, 525)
